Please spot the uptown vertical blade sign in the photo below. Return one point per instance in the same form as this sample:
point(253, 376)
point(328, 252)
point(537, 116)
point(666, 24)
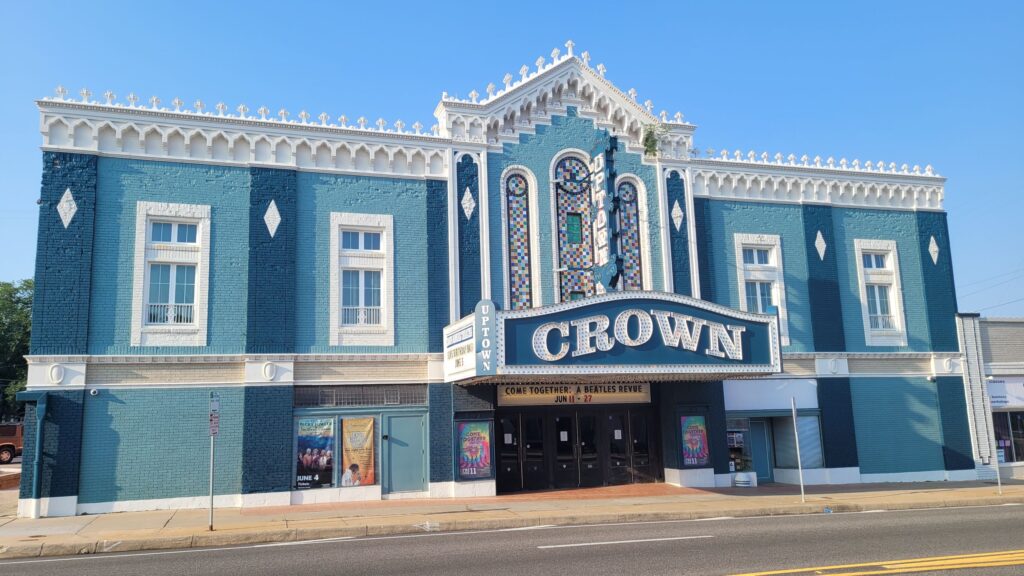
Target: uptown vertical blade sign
point(653, 335)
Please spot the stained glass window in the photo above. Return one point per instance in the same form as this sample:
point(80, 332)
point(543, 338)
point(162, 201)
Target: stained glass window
point(629, 237)
point(518, 211)
point(575, 252)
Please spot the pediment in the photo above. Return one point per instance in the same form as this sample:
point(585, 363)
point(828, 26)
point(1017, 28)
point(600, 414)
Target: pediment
point(548, 89)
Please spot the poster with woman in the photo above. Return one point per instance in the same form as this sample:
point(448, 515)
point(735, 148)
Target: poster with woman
point(314, 466)
point(695, 441)
point(474, 445)
point(357, 452)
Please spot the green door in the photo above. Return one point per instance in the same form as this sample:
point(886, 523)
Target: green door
point(761, 450)
point(405, 453)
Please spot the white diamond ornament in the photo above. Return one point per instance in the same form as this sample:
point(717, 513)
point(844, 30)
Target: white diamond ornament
point(67, 208)
point(272, 218)
point(677, 216)
point(468, 204)
point(933, 250)
point(819, 245)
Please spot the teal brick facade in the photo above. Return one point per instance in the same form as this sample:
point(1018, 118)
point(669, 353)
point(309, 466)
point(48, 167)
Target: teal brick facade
point(271, 262)
point(904, 437)
point(675, 191)
point(467, 178)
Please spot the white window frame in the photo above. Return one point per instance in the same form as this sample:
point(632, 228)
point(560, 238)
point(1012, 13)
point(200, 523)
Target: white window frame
point(889, 275)
point(174, 253)
point(382, 260)
point(772, 272)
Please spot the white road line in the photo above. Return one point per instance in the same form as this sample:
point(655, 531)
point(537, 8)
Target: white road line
point(623, 542)
point(538, 527)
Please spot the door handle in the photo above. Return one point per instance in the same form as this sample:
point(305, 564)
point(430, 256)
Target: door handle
point(384, 437)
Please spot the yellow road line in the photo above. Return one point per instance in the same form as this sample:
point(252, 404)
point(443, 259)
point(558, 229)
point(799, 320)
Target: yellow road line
point(1012, 557)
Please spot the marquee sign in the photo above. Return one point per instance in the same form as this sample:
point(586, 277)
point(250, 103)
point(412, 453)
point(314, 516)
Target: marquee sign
point(651, 335)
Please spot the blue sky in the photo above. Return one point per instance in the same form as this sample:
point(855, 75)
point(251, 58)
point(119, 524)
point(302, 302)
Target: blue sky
point(937, 83)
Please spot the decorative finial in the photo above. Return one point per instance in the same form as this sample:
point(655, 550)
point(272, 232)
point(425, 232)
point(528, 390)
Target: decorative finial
point(399, 126)
point(569, 45)
point(61, 92)
point(323, 117)
point(523, 72)
point(601, 69)
point(263, 112)
point(663, 115)
point(283, 115)
point(132, 99)
point(362, 122)
point(154, 102)
point(649, 105)
point(198, 106)
point(585, 57)
point(177, 103)
point(304, 116)
point(380, 124)
point(678, 117)
point(473, 95)
point(539, 63)
point(242, 110)
point(109, 96)
point(221, 108)
point(434, 129)
point(490, 90)
point(417, 126)
point(507, 80)
point(632, 94)
point(554, 55)
point(85, 94)
point(343, 121)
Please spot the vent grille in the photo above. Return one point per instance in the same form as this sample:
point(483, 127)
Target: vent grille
point(359, 395)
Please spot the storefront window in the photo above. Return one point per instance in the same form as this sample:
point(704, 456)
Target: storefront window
point(737, 439)
point(1009, 430)
point(809, 430)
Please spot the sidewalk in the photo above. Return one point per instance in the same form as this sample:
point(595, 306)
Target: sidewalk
point(167, 529)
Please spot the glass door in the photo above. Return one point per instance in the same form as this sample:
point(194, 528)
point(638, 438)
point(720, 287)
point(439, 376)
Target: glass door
point(510, 473)
point(566, 471)
point(535, 472)
point(617, 437)
point(591, 472)
point(644, 467)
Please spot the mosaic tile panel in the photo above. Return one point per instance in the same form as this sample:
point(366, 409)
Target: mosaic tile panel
point(629, 237)
point(572, 187)
point(518, 213)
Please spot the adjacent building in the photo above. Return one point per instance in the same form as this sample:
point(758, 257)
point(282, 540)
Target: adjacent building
point(550, 288)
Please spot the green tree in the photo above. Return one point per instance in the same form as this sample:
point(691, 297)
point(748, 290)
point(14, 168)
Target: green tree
point(15, 331)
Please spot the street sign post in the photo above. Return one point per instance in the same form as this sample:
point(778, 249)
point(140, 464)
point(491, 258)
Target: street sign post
point(214, 431)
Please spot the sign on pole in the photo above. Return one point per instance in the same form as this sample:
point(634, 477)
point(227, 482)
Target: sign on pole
point(214, 430)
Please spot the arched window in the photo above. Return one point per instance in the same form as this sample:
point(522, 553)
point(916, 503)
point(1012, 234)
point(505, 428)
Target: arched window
point(629, 236)
point(575, 245)
point(517, 206)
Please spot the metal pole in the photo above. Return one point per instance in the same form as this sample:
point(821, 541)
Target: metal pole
point(796, 437)
point(211, 482)
point(995, 452)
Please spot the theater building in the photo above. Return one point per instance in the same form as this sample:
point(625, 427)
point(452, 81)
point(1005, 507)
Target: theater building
point(551, 288)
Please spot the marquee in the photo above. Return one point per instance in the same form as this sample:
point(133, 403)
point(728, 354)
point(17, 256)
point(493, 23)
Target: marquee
point(614, 336)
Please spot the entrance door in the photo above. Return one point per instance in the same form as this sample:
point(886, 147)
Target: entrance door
point(761, 449)
point(510, 476)
point(617, 437)
point(591, 472)
point(535, 472)
point(566, 471)
point(642, 459)
point(405, 454)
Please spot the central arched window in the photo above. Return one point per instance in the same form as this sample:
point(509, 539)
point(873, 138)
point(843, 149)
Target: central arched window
point(571, 179)
point(517, 206)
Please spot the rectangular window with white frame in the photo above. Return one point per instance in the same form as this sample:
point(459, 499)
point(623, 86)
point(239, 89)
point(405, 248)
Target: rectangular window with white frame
point(760, 277)
point(878, 275)
point(171, 274)
point(362, 272)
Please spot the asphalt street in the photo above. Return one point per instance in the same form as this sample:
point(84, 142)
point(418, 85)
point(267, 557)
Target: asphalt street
point(873, 540)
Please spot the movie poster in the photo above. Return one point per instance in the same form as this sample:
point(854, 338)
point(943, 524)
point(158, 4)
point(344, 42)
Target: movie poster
point(474, 445)
point(695, 441)
point(314, 467)
point(357, 452)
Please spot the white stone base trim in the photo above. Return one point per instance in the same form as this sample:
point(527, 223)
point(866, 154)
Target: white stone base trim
point(47, 507)
point(926, 476)
point(407, 495)
point(819, 476)
point(1010, 471)
point(692, 477)
point(219, 501)
point(726, 480)
point(476, 488)
point(266, 499)
point(442, 489)
point(330, 495)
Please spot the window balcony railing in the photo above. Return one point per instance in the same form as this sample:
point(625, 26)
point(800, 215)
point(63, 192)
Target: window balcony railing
point(170, 314)
point(352, 316)
point(882, 322)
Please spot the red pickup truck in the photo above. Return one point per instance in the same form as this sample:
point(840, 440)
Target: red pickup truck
point(10, 441)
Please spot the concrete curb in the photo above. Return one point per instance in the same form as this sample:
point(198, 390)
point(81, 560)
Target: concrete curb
point(77, 545)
